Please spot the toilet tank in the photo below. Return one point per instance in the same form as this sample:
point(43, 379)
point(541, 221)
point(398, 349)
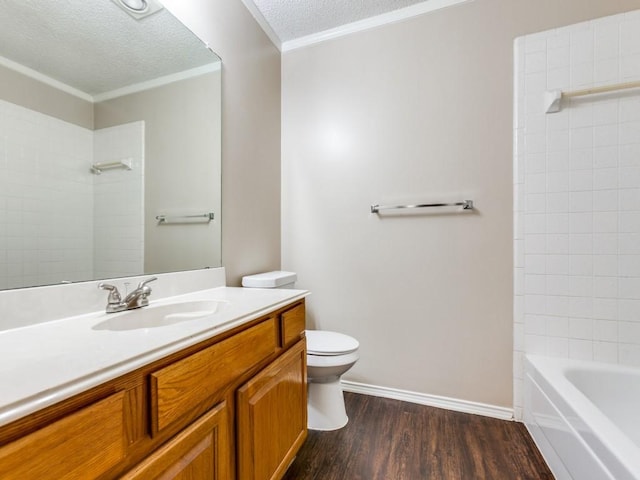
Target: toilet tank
point(276, 279)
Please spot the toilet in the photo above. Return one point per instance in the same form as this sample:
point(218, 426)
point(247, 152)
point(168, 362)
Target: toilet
point(329, 356)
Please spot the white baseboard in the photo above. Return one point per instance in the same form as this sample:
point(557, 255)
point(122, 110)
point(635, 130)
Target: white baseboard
point(447, 403)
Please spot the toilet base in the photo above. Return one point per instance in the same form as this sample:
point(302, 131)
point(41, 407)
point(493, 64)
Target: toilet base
point(325, 405)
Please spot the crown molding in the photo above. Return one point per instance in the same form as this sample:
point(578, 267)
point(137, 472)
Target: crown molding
point(157, 82)
point(368, 23)
point(52, 82)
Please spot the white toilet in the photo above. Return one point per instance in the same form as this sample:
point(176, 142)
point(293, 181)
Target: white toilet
point(329, 356)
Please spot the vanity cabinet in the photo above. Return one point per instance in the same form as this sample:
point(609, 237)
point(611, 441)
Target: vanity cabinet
point(233, 406)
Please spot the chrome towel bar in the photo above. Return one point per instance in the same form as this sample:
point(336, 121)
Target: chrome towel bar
point(177, 218)
point(466, 205)
point(553, 98)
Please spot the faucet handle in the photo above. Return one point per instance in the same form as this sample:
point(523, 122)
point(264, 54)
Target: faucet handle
point(143, 283)
point(114, 294)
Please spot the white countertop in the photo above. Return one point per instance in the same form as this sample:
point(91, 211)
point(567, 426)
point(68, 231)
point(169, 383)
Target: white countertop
point(48, 362)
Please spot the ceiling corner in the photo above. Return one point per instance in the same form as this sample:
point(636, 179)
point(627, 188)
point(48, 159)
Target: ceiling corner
point(257, 14)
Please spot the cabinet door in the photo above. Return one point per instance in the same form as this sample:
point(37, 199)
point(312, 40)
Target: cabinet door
point(200, 451)
point(272, 416)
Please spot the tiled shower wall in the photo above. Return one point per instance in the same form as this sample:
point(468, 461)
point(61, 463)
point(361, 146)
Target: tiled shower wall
point(119, 202)
point(577, 196)
point(47, 198)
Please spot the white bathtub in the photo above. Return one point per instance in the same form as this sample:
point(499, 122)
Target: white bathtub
point(584, 417)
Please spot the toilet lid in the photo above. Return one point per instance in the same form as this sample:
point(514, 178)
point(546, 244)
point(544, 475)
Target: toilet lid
point(321, 342)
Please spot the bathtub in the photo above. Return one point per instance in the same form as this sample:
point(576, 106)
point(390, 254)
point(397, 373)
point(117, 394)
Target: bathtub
point(584, 417)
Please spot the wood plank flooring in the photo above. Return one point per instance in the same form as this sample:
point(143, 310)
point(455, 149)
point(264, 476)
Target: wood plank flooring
point(393, 440)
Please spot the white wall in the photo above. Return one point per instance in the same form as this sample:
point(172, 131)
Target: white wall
point(182, 147)
point(414, 111)
point(250, 131)
point(577, 196)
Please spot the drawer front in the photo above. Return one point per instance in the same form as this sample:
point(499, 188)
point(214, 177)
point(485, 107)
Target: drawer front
point(293, 324)
point(84, 444)
point(193, 385)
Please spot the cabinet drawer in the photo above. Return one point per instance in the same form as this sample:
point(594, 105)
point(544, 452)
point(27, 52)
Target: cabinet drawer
point(292, 324)
point(84, 444)
point(194, 384)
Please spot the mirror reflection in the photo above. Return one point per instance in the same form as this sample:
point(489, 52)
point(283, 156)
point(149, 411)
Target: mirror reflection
point(109, 143)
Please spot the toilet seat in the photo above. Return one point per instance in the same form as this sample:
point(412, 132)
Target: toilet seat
point(325, 343)
point(332, 360)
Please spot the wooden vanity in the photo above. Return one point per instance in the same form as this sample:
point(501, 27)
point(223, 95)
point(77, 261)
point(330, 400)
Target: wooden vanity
point(232, 406)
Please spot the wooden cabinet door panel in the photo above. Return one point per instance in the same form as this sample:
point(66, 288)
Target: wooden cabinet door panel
point(82, 445)
point(199, 452)
point(272, 417)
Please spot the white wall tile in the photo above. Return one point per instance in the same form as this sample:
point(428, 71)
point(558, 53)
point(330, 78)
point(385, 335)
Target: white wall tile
point(605, 287)
point(629, 354)
point(557, 243)
point(605, 157)
point(581, 286)
point(558, 264)
point(605, 309)
point(605, 200)
point(557, 182)
point(629, 265)
point(581, 180)
point(558, 347)
point(581, 267)
point(630, 131)
point(535, 62)
point(535, 264)
point(535, 325)
point(606, 42)
point(605, 222)
point(605, 179)
point(606, 352)
point(557, 326)
point(629, 310)
point(580, 349)
point(629, 155)
point(581, 328)
point(557, 202)
point(557, 223)
point(559, 78)
point(534, 223)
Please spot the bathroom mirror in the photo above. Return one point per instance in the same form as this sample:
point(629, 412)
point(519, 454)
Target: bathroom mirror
point(110, 125)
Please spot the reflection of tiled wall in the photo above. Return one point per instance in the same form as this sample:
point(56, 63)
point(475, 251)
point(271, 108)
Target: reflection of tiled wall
point(46, 201)
point(577, 196)
point(118, 202)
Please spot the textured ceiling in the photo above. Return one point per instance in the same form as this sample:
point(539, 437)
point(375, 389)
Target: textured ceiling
point(94, 46)
point(292, 19)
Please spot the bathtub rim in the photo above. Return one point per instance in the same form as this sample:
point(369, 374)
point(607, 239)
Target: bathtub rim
point(596, 430)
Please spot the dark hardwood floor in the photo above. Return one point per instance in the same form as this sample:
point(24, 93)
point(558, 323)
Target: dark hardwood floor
point(393, 440)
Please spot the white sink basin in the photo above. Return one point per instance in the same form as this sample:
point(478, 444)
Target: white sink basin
point(161, 315)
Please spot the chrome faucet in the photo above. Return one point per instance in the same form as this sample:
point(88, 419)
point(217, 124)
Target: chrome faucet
point(136, 299)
